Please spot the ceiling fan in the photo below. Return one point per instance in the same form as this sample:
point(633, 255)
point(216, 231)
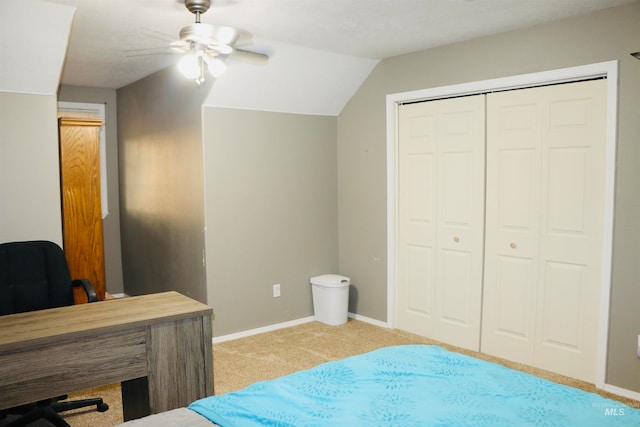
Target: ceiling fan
point(206, 46)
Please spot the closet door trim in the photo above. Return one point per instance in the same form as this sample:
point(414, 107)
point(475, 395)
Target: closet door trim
point(607, 69)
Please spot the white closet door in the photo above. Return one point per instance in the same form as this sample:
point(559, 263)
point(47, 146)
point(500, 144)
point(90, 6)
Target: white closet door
point(545, 198)
point(460, 220)
point(514, 139)
point(441, 219)
point(417, 219)
point(571, 229)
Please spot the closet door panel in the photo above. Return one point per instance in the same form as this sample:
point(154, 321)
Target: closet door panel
point(460, 220)
point(419, 293)
point(457, 189)
point(455, 245)
point(513, 281)
point(417, 219)
point(562, 287)
point(543, 256)
point(456, 287)
point(440, 219)
point(571, 237)
point(512, 224)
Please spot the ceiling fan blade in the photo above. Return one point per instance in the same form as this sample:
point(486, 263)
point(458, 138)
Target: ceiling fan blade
point(146, 32)
point(244, 38)
point(219, 49)
point(166, 50)
point(210, 34)
point(249, 56)
point(178, 45)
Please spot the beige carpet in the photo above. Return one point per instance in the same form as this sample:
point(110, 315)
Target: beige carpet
point(244, 361)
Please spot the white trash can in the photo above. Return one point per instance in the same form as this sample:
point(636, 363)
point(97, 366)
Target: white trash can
point(330, 298)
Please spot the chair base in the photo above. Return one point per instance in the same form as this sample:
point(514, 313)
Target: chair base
point(76, 404)
point(49, 411)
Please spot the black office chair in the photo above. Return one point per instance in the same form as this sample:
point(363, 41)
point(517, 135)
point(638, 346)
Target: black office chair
point(34, 275)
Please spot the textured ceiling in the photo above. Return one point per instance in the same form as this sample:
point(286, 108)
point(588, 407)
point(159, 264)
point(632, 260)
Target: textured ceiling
point(103, 31)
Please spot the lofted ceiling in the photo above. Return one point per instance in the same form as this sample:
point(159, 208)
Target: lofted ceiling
point(104, 32)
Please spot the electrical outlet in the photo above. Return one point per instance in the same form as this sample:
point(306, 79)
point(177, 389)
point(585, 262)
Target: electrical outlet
point(276, 290)
point(638, 349)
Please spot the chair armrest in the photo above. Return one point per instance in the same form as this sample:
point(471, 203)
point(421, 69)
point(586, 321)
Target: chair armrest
point(88, 288)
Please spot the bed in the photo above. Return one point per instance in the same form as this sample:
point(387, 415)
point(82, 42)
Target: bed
point(409, 385)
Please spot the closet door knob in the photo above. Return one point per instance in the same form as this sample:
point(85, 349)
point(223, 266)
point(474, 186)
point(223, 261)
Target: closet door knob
point(456, 239)
point(513, 245)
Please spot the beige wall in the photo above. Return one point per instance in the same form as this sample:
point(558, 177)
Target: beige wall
point(271, 213)
point(29, 169)
point(603, 36)
point(110, 223)
point(161, 185)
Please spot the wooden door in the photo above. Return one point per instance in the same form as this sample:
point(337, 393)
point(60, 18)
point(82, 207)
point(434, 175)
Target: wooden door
point(81, 210)
point(441, 219)
point(545, 222)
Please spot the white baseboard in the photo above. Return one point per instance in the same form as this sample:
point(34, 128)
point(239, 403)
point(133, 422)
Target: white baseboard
point(369, 320)
point(261, 330)
point(122, 295)
point(622, 392)
point(288, 324)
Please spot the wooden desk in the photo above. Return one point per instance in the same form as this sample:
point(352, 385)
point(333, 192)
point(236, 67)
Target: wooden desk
point(158, 346)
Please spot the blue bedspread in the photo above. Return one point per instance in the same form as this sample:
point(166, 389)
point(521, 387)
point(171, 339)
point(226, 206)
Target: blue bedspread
point(413, 385)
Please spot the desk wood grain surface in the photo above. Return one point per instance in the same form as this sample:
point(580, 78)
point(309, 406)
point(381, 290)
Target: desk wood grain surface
point(25, 330)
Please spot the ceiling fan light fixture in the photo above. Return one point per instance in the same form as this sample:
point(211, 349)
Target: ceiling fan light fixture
point(210, 44)
point(190, 66)
point(216, 66)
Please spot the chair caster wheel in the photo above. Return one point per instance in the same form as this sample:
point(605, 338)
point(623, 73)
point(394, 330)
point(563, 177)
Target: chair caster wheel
point(102, 407)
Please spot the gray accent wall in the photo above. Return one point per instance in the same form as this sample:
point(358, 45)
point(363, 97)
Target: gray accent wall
point(110, 223)
point(607, 35)
point(161, 185)
point(271, 214)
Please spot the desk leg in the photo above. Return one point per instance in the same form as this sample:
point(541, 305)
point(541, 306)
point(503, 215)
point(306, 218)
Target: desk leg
point(179, 368)
point(135, 398)
point(179, 362)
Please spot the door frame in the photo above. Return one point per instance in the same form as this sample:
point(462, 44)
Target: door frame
point(607, 69)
